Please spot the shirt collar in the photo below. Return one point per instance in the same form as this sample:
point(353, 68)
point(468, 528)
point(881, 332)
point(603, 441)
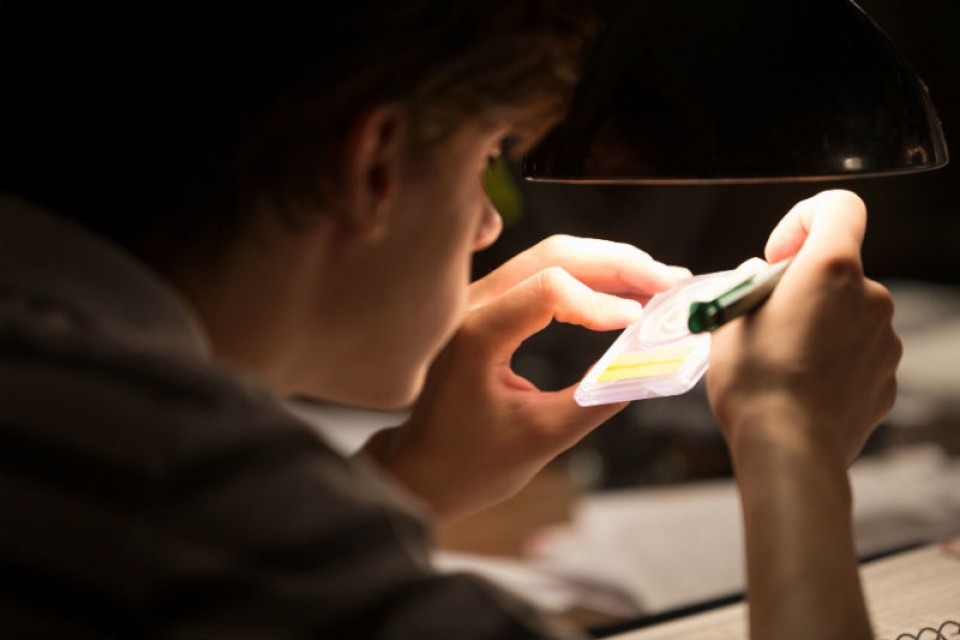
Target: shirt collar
point(54, 258)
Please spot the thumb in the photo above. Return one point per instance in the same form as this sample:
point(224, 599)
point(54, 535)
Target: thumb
point(832, 223)
point(570, 421)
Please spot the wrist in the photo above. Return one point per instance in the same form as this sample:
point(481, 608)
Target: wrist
point(416, 472)
point(788, 479)
point(782, 451)
point(778, 433)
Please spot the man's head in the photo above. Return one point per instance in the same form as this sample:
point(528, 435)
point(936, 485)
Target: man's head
point(319, 167)
point(164, 124)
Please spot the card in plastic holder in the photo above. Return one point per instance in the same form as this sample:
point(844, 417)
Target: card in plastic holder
point(657, 355)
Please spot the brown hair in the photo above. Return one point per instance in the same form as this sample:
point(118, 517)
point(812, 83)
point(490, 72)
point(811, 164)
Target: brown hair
point(159, 123)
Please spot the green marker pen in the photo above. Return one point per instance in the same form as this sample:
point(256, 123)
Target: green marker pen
point(746, 296)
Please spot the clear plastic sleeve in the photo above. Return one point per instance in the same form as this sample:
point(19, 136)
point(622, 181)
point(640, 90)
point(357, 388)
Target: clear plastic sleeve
point(657, 355)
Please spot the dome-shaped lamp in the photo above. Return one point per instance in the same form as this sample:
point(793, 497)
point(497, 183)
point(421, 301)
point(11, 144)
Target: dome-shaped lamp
point(683, 91)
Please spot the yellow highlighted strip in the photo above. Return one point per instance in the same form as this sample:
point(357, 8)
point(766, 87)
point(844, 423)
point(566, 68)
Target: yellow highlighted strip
point(645, 364)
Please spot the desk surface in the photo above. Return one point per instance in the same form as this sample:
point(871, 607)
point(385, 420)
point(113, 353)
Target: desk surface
point(905, 593)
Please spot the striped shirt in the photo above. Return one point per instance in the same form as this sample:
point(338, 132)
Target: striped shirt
point(148, 491)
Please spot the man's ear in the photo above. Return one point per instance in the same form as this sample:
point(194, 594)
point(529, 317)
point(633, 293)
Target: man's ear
point(368, 169)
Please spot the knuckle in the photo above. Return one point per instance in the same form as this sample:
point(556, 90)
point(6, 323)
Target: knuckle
point(886, 306)
point(555, 245)
point(550, 281)
point(468, 333)
point(896, 349)
point(881, 301)
point(844, 270)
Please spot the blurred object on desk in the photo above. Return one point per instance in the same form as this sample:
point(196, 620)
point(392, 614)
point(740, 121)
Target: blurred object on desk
point(911, 595)
point(580, 601)
point(666, 548)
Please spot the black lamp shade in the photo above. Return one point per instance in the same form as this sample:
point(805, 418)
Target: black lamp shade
point(679, 91)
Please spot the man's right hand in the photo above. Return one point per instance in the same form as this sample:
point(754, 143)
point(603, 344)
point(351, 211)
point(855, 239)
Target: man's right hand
point(821, 354)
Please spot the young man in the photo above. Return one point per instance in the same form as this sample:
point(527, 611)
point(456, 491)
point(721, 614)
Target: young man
point(209, 207)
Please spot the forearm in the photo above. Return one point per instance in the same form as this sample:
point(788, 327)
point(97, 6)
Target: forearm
point(797, 387)
point(802, 569)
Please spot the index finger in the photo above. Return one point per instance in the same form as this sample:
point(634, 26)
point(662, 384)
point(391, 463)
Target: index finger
point(499, 327)
point(612, 267)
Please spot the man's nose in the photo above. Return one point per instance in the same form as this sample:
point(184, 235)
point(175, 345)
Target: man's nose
point(490, 227)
